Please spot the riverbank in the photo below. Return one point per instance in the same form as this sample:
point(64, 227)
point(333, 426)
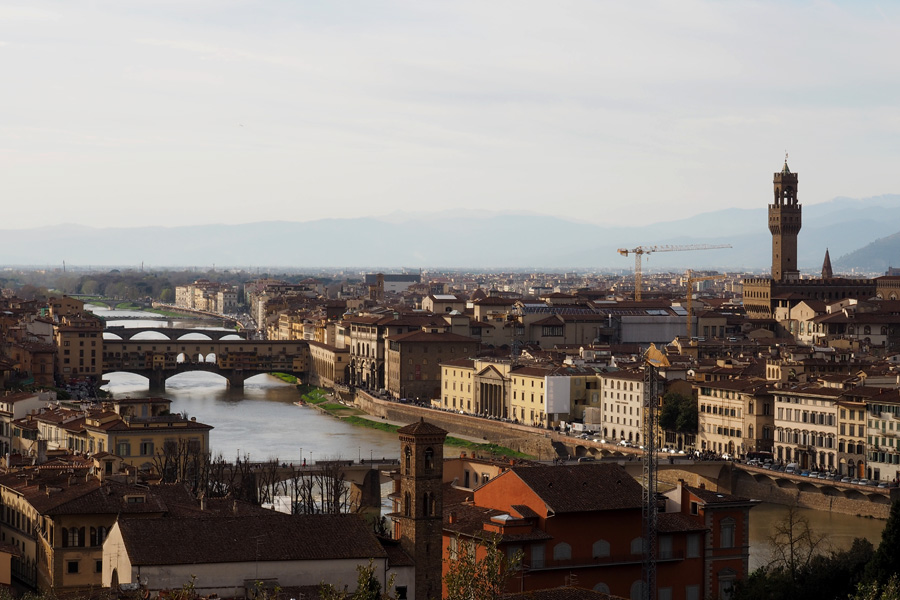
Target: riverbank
point(353, 415)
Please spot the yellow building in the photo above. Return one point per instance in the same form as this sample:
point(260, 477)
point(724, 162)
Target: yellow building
point(58, 516)
point(135, 429)
point(527, 396)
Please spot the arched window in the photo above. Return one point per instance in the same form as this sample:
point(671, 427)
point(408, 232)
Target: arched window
point(562, 551)
point(407, 508)
point(637, 590)
point(867, 330)
point(600, 549)
point(407, 453)
point(637, 545)
point(429, 460)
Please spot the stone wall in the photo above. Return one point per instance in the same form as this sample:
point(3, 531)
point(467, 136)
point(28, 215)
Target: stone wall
point(515, 437)
point(844, 499)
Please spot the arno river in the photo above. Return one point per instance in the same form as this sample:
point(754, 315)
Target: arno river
point(262, 421)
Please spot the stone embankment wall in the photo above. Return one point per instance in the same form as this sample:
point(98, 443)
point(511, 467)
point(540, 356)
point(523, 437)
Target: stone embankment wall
point(846, 499)
point(723, 477)
point(515, 437)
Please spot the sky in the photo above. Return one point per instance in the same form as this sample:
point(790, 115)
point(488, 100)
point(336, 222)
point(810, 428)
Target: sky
point(126, 113)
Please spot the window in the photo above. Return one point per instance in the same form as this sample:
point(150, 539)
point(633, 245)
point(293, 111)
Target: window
point(693, 545)
point(600, 549)
point(665, 546)
point(537, 556)
point(726, 533)
point(146, 448)
point(72, 566)
point(637, 545)
point(98, 566)
point(562, 551)
point(429, 460)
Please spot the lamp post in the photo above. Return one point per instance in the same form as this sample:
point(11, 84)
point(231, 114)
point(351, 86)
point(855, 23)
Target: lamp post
point(359, 454)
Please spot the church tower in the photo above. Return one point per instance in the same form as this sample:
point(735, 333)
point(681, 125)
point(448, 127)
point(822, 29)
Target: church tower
point(421, 513)
point(827, 271)
point(784, 223)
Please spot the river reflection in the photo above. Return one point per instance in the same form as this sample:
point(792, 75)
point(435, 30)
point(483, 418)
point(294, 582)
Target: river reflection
point(840, 529)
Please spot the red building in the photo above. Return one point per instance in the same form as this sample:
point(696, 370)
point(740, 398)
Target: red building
point(581, 525)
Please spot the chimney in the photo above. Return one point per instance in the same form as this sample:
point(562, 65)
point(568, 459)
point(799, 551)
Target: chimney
point(203, 503)
point(452, 517)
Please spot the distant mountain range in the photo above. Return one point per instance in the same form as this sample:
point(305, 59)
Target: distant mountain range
point(862, 236)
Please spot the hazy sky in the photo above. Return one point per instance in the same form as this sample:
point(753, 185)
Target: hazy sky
point(166, 112)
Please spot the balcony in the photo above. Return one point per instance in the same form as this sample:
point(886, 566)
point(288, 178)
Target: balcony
point(602, 561)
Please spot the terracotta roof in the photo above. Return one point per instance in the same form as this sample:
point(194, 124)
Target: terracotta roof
point(561, 593)
point(675, 522)
point(580, 488)
point(421, 427)
point(273, 537)
point(711, 497)
point(425, 336)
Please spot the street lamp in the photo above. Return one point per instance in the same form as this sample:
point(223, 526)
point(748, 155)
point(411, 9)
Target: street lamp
point(359, 454)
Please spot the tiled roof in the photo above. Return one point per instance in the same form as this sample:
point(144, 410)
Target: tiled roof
point(425, 336)
point(421, 427)
point(711, 497)
point(580, 488)
point(561, 593)
point(675, 522)
point(273, 537)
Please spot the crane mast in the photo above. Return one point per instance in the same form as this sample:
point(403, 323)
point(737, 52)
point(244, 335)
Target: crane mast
point(690, 295)
point(654, 360)
point(641, 251)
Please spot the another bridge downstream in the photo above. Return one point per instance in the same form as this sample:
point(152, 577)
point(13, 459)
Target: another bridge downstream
point(236, 360)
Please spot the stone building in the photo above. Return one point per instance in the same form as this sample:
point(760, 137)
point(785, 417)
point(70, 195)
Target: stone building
point(419, 504)
point(784, 288)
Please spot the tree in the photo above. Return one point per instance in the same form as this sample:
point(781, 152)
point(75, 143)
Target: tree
point(478, 569)
point(874, 591)
point(678, 413)
point(367, 586)
point(794, 543)
point(801, 568)
point(884, 563)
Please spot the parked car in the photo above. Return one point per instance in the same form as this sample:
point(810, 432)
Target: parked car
point(586, 459)
point(845, 480)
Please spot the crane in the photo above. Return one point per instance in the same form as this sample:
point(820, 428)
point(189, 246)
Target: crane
point(642, 250)
point(654, 360)
point(690, 295)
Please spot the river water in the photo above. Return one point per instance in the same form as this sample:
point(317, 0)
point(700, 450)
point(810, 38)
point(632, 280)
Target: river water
point(262, 420)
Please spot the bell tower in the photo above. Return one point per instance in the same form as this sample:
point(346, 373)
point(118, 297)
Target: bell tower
point(421, 513)
point(785, 223)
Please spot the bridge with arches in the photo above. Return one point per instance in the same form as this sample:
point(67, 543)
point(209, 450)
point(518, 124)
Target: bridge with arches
point(234, 359)
point(174, 333)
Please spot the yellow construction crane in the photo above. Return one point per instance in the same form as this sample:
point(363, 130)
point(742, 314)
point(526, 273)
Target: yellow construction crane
point(690, 295)
point(642, 250)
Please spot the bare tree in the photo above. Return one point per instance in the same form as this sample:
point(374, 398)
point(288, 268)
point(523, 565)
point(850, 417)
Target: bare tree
point(321, 490)
point(794, 544)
